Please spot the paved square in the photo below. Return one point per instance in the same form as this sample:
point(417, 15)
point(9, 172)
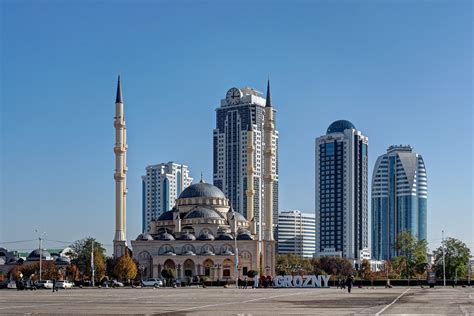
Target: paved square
point(221, 301)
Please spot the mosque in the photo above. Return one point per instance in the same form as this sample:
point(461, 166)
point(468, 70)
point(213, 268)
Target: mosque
point(201, 235)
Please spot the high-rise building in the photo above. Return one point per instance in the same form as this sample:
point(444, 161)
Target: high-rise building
point(296, 233)
point(161, 186)
point(399, 199)
point(342, 192)
point(246, 115)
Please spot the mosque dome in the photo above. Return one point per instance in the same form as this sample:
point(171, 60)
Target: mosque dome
point(167, 216)
point(203, 212)
point(239, 217)
point(205, 236)
point(244, 235)
point(145, 236)
point(202, 189)
point(339, 127)
point(165, 236)
point(187, 236)
point(225, 236)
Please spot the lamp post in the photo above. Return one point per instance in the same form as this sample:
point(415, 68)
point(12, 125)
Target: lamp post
point(444, 263)
point(40, 252)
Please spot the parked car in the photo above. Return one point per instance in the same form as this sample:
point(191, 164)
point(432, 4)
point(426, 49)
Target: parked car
point(11, 285)
point(152, 282)
point(113, 283)
point(64, 284)
point(44, 284)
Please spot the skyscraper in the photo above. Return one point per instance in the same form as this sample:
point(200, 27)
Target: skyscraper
point(342, 192)
point(240, 118)
point(120, 150)
point(399, 199)
point(296, 233)
point(161, 186)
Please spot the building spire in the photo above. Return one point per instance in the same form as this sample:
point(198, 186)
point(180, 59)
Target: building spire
point(202, 178)
point(268, 103)
point(119, 98)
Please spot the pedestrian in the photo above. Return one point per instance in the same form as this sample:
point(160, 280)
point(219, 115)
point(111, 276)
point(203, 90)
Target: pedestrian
point(349, 283)
point(54, 285)
point(245, 282)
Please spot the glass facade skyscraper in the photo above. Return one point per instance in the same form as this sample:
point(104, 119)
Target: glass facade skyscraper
point(399, 199)
point(342, 192)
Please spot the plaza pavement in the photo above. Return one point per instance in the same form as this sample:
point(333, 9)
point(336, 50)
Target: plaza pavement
point(231, 301)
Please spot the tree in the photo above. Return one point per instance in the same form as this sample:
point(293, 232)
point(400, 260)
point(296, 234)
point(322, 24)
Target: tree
point(456, 256)
point(291, 264)
point(125, 269)
point(336, 266)
point(81, 257)
point(365, 270)
point(412, 253)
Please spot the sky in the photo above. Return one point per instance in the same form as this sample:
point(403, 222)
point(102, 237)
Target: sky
point(400, 71)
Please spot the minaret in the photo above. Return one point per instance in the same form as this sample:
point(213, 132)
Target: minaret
point(269, 158)
point(120, 150)
point(250, 172)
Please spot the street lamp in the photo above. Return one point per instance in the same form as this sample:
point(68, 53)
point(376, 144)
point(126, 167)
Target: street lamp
point(40, 251)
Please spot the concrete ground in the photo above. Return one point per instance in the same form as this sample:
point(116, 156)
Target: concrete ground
point(220, 301)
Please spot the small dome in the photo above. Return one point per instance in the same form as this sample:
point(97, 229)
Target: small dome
point(187, 236)
point(165, 236)
point(339, 127)
point(145, 236)
point(227, 252)
point(35, 254)
point(205, 236)
point(167, 216)
point(245, 235)
point(225, 236)
point(239, 217)
point(207, 253)
point(203, 212)
point(202, 189)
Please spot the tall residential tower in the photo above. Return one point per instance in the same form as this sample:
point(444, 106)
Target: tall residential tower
point(399, 199)
point(120, 150)
point(161, 186)
point(246, 116)
point(342, 192)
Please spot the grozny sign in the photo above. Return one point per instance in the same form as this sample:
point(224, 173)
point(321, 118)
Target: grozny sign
point(301, 281)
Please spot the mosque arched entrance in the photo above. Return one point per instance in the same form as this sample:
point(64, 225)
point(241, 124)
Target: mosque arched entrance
point(189, 268)
point(208, 265)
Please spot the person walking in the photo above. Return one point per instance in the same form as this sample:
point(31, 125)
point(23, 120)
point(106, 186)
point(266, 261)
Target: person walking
point(349, 283)
point(54, 285)
point(245, 282)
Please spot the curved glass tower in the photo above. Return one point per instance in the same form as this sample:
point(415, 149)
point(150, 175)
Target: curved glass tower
point(399, 199)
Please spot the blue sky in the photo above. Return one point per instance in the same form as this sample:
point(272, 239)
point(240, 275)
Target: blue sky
point(401, 71)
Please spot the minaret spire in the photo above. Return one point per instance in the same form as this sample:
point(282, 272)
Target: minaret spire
point(268, 103)
point(120, 174)
point(119, 98)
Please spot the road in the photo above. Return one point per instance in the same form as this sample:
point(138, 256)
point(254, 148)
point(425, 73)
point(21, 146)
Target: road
point(231, 301)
